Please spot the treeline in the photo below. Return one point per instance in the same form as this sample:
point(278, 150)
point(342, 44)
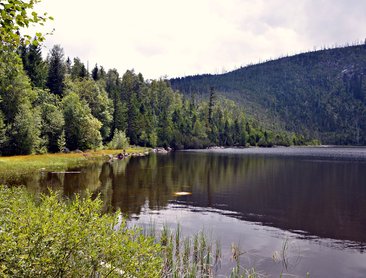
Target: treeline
point(53, 104)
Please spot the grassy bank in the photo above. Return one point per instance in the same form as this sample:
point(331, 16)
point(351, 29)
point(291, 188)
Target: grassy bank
point(14, 165)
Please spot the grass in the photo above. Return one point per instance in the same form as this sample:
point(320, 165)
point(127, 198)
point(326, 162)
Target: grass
point(24, 164)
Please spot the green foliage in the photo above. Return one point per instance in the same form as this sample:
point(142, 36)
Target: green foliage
point(52, 238)
point(82, 129)
point(52, 119)
point(320, 95)
point(34, 65)
point(153, 139)
point(20, 121)
point(15, 88)
point(3, 137)
point(131, 85)
point(95, 73)
point(81, 112)
point(194, 256)
point(78, 70)
point(24, 132)
point(56, 71)
point(119, 140)
point(16, 15)
point(97, 99)
point(61, 141)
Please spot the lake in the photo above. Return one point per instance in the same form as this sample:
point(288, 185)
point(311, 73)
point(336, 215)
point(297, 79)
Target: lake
point(312, 200)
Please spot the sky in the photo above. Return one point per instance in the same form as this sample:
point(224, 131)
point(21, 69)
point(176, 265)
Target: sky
point(173, 38)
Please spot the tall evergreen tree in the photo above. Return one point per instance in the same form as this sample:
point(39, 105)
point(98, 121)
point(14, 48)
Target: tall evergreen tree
point(95, 73)
point(34, 65)
point(211, 105)
point(114, 90)
point(68, 64)
point(131, 89)
point(56, 71)
point(102, 73)
point(133, 128)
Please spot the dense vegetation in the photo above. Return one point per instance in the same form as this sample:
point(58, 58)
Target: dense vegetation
point(319, 94)
point(47, 105)
point(46, 236)
point(54, 238)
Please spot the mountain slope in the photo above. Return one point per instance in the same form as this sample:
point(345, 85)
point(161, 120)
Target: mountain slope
point(320, 94)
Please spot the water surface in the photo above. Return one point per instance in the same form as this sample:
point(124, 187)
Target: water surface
point(314, 199)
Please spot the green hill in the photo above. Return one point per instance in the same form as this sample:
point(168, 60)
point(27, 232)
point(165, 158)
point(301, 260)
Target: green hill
point(320, 94)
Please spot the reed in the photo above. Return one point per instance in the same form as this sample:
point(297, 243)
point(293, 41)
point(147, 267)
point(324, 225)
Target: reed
point(192, 256)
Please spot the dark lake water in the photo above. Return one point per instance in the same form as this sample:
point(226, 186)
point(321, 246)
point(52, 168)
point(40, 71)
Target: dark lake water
point(314, 199)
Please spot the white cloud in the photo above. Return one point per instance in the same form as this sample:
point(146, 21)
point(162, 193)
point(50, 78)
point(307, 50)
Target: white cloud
point(174, 38)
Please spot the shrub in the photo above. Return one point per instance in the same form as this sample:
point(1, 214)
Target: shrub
point(119, 140)
point(48, 237)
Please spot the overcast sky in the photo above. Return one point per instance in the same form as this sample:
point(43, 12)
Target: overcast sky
point(185, 37)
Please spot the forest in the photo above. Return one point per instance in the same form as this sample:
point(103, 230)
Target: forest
point(56, 104)
point(319, 94)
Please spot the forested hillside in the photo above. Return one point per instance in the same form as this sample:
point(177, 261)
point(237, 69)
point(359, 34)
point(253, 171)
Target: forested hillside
point(54, 104)
point(319, 94)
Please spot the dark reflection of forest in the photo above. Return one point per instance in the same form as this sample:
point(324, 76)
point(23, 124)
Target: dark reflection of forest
point(321, 198)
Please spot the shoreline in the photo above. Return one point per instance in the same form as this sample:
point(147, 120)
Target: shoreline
point(17, 165)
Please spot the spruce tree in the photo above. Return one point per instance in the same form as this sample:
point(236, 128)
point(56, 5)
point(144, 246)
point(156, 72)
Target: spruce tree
point(56, 71)
point(35, 66)
point(211, 105)
point(95, 73)
point(68, 65)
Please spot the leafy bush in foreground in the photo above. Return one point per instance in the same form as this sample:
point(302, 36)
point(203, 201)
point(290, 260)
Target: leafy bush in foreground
point(52, 238)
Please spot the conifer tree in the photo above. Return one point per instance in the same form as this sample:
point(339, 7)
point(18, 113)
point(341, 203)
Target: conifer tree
point(68, 65)
point(95, 73)
point(56, 71)
point(78, 70)
point(211, 105)
point(34, 65)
